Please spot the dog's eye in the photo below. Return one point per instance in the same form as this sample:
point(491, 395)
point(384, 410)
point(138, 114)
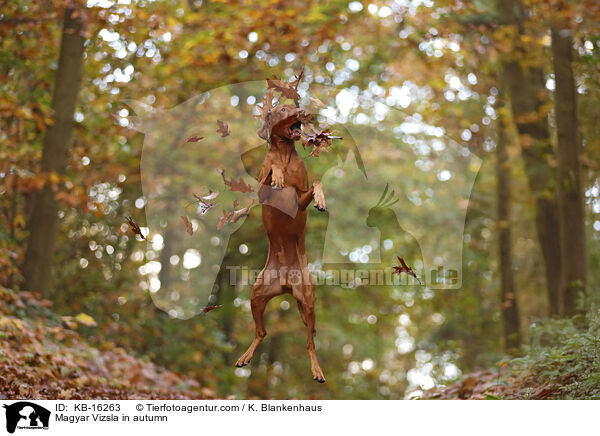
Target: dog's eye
point(282, 109)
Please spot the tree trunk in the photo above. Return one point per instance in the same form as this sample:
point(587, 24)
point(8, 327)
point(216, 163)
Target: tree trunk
point(570, 191)
point(43, 222)
point(508, 294)
point(526, 88)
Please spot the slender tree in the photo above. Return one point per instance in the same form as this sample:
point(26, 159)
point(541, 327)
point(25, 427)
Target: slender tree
point(508, 291)
point(570, 189)
point(525, 84)
point(43, 222)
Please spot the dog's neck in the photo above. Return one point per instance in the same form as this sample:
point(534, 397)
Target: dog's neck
point(284, 147)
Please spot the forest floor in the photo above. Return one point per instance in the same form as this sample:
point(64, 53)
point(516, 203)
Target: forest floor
point(503, 384)
point(562, 361)
point(42, 356)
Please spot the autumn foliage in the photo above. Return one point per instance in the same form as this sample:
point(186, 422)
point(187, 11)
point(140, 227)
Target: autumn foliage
point(430, 97)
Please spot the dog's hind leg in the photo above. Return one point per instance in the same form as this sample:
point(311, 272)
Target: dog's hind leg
point(263, 290)
point(305, 296)
point(301, 310)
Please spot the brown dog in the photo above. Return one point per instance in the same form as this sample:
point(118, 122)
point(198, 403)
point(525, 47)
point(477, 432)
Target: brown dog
point(284, 194)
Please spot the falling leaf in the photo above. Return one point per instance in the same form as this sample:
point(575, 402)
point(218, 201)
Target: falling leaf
point(287, 89)
point(239, 185)
point(203, 208)
point(405, 268)
point(209, 308)
point(223, 128)
point(267, 105)
point(204, 200)
point(211, 195)
point(224, 219)
point(205, 204)
point(234, 216)
point(239, 214)
point(235, 185)
point(194, 139)
point(134, 227)
point(297, 79)
point(188, 225)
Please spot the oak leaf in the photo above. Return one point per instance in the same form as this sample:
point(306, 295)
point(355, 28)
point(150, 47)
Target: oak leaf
point(403, 267)
point(223, 128)
point(287, 89)
point(267, 105)
point(235, 185)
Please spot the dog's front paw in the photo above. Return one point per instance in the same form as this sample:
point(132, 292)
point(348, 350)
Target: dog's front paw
point(319, 196)
point(277, 178)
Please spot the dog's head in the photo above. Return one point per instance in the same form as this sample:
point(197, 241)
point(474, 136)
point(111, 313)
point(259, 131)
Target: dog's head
point(284, 121)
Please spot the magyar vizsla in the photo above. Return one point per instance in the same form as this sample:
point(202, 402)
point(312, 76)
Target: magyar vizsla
point(285, 194)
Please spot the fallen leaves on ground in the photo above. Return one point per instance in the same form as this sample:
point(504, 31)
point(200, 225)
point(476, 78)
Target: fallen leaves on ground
point(500, 384)
point(44, 358)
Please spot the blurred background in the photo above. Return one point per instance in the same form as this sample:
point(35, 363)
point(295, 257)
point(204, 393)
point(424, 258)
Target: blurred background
point(482, 116)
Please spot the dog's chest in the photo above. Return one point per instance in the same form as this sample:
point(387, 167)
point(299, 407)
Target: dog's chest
point(294, 167)
point(295, 173)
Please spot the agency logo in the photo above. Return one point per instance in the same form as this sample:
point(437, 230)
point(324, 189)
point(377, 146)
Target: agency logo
point(26, 415)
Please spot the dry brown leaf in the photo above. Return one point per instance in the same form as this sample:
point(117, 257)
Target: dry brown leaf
point(319, 140)
point(194, 139)
point(223, 128)
point(403, 267)
point(209, 308)
point(134, 227)
point(239, 214)
point(267, 105)
point(287, 89)
point(224, 219)
point(188, 225)
point(235, 185)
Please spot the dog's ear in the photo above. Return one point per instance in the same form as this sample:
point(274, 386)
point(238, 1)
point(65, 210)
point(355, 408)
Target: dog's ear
point(263, 132)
